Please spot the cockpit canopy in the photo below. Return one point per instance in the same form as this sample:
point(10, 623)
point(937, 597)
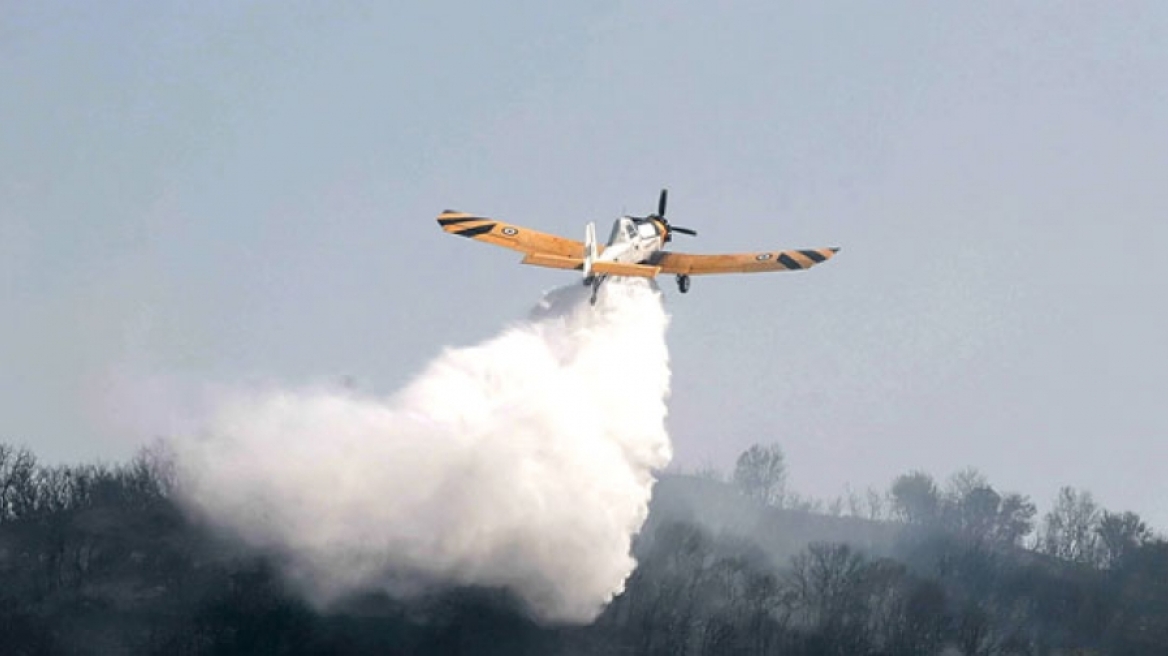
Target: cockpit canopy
point(629, 228)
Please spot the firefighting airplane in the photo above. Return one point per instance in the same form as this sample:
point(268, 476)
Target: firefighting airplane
point(634, 249)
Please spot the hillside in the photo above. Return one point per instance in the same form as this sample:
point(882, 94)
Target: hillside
point(102, 560)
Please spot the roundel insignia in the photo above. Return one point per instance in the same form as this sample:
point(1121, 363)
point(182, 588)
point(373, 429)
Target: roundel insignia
point(509, 231)
point(763, 257)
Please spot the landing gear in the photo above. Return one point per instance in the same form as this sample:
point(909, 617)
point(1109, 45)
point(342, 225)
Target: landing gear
point(682, 283)
point(594, 282)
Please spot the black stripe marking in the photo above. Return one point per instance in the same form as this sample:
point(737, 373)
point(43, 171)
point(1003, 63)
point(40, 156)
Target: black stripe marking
point(477, 230)
point(446, 222)
point(788, 262)
point(814, 256)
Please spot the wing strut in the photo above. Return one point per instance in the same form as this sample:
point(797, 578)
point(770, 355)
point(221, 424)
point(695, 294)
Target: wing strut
point(589, 249)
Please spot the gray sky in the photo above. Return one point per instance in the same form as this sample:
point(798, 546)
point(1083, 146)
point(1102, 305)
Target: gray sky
point(222, 192)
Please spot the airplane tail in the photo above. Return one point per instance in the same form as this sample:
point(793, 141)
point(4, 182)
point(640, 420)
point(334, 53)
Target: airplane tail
point(589, 249)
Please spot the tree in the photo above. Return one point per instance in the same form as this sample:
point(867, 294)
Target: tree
point(18, 484)
point(962, 483)
point(923, 618)
point(1069, 529)
point(828, 581)
point(1119, 535)
point(761, 474)
point(977, 512)
point(981, 514)
point(914, 497)
point(1141, 626)
point(875, 504)
point(1015, 519)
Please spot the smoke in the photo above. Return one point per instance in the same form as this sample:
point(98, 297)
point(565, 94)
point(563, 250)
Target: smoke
point(525, 462)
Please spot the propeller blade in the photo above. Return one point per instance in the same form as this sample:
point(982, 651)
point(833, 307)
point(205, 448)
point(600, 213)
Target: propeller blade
point(684, 231)
point(661, 202)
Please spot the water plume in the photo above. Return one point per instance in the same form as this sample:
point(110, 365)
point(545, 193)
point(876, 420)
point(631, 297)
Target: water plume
point(525, 462)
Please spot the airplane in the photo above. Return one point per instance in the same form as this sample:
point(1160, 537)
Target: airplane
point(636, 247)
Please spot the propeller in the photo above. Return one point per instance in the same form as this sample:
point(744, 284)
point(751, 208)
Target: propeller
point(669, 230)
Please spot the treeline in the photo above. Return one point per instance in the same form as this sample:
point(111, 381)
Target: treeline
point(100, 559)
point(1076, 529)
point(919, 568)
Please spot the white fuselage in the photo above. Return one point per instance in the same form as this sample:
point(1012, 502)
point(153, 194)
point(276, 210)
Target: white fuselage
point(633, 241)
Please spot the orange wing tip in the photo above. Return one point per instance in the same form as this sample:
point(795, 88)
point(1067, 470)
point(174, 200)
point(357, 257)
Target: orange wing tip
point(453, 220)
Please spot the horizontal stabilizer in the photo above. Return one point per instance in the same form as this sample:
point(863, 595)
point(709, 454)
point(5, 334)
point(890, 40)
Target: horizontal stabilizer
point(600, 268)
point(553, 261)
point(622, 269)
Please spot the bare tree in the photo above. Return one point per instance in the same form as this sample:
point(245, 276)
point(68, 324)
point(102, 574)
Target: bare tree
point(7, 455)
point(761, 474)
point(825, 579)
point(835, 507)
point(18, 484)
point(845, 601)
point(156, 467)
point(708, 471)
point(1069, 529)
point(854, 504)
point(962, 483)
point(875, 504)
point(796, 501)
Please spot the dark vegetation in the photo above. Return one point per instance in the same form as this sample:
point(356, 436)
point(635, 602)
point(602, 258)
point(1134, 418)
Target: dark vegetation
point(100, 560)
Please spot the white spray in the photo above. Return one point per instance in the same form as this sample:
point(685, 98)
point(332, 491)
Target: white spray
point(524, 462)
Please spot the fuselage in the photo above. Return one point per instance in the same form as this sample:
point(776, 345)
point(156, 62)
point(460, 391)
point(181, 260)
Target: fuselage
point(634, 240)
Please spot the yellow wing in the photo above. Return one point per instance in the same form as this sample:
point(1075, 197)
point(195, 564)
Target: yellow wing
point(514, 237)
point(695, 265)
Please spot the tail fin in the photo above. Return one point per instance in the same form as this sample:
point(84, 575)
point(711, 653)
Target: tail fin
point(589, 248)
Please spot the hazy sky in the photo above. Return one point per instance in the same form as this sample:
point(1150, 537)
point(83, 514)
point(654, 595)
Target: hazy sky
point(208, 193)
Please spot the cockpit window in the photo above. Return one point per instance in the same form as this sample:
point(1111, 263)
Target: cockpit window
point(616, 231)
point(632, 232)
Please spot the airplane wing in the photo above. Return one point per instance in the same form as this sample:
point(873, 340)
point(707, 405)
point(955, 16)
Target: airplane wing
point(695, 265)
point(516, 238)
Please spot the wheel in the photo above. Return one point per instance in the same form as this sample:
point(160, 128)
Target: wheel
point(683, 283)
